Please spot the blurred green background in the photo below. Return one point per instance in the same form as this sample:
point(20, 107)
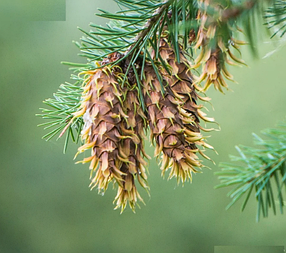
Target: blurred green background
point(45, 203)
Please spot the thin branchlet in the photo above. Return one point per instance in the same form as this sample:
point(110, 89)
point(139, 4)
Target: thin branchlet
point(149, 24)
point(258, 169)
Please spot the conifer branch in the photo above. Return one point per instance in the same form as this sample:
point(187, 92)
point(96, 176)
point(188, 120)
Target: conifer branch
point(275, 17)
point(139, 76)
point(258, 169)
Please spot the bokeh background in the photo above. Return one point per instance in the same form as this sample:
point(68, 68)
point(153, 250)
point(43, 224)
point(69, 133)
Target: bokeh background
point(45, 203)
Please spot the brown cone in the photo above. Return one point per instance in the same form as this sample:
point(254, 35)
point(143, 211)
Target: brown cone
point(102, 114)
point(213, 58)
point(168, 131)
point(113, 130)
point(132, 148)
point(180, 83)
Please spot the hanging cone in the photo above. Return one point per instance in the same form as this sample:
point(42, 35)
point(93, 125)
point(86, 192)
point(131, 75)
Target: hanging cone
point(132, 148)
point(168, 131)
point(214, 52)
point(110, 114)
point(102, 114)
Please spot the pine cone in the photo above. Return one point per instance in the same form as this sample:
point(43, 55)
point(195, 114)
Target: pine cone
point(132, 149)
point(214, 52)
point(102, 114)
point(113, 130)
point(185, 96)
point(168, 131)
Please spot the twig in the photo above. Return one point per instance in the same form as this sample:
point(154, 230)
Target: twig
point(149, 24)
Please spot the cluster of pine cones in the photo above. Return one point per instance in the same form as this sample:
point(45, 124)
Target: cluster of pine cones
point(115, 124)
point(116, 120)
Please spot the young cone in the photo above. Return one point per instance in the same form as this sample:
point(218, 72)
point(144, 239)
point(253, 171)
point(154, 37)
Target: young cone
point(102, 113)
point(168, 131)
point(215, 51)
point(110, 132)
point(132, 148)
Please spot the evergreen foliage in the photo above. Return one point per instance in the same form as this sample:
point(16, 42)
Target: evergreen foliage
point(258, 169)
point(276, 17)
point(148, 70)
